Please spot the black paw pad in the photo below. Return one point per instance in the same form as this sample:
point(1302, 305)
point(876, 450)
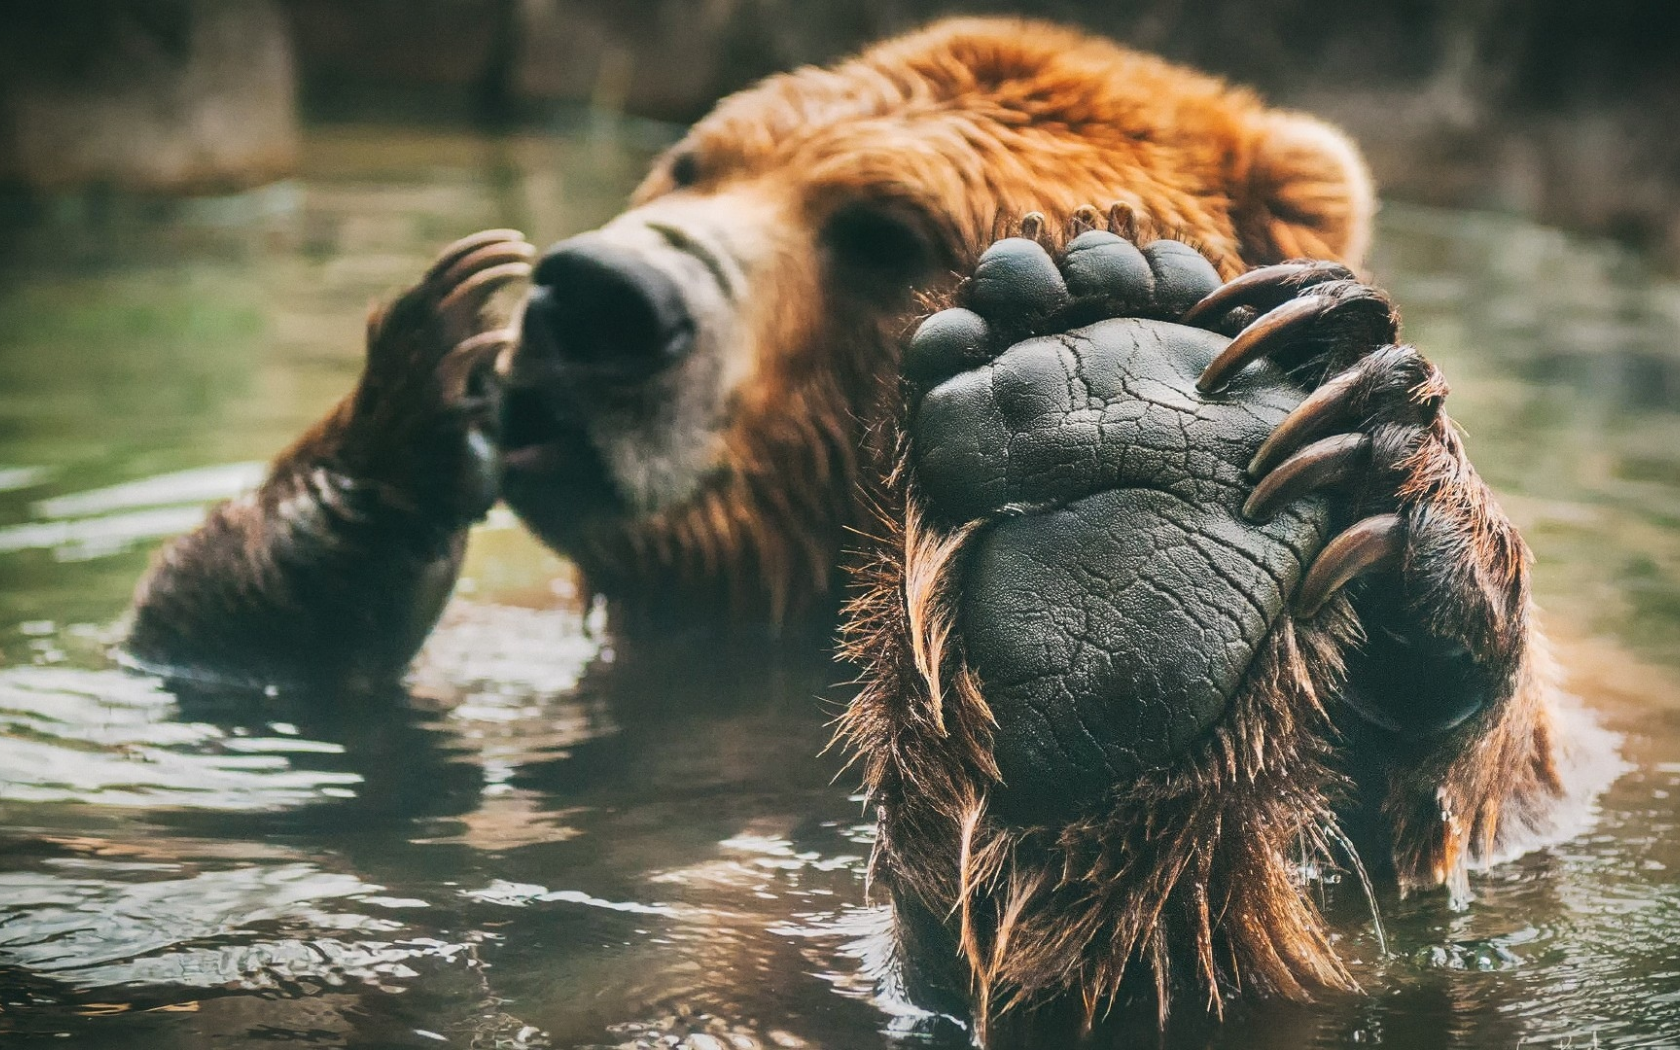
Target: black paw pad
point(945, 344)
point(1112, 597)
point(1016, 276)
point(1183, 277)
point(1100, 265)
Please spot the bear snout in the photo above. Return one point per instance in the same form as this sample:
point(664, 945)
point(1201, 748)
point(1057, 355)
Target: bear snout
point(621, 382)
point(600, 314)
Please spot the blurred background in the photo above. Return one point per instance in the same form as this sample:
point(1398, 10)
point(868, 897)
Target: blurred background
point(1562, 110)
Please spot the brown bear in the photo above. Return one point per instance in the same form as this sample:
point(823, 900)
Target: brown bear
point(1161, 582)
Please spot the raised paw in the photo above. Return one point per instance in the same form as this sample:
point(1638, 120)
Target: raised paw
point(425, 415)
point(1108, 645)
point(1094, 733)
point(1444, 611)
point(1113, 595)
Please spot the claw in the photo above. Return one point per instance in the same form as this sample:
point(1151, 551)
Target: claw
point(467, 245)
point(1122, 220)
point(472, 345)
point(483, 384)
point(484, 258)
point(1085, 218)
point(1264, 288)
point(1323, 407)
point(1262, 337)
point(1327, 462)
point(477, 289)
point(504, 359)
point(1372, 544)
point(468, 369)
point(1032, 225)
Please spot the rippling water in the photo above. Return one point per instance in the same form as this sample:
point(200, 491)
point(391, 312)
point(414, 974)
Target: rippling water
point(556, 841)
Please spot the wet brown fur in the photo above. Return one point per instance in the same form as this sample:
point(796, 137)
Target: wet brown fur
point(1463, 799)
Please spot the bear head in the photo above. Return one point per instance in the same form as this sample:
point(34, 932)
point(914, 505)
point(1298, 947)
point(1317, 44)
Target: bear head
point(699, 381)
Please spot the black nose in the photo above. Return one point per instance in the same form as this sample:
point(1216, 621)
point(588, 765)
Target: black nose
point(604, 310)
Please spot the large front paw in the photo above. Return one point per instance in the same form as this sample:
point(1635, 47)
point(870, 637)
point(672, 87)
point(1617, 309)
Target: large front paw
point(1112, 596)
point(422, 423)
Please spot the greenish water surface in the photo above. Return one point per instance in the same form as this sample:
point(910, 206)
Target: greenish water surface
point(558, 843)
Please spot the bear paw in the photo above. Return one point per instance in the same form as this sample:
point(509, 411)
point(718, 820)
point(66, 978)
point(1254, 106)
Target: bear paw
point(1112, 595)
point(422, 422)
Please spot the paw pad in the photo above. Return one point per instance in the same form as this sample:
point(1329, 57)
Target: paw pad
point(1017, 276)
point(1019, 289)
point(946, 343)
point(1098, 263)
point(1183, 277)
point(1111, 596)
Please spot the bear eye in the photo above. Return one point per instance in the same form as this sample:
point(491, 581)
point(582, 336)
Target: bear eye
point(685, 169)
point(877, 240)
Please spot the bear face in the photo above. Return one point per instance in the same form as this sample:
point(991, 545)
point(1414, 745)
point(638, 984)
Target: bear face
point(696, 379)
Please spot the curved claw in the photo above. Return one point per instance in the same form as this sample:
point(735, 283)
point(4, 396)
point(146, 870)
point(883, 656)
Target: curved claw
point(475, 344)
point(472, 363)
point(1372, 544)
point(473, 292)
point(1266, 287)
point(1262, 337)
point(1327, 462)
point(483, 258)
point(467, 245)
point(1323, 407)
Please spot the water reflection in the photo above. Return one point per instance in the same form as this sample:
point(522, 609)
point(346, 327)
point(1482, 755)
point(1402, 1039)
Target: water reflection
point(613, 821)
point(554, 837)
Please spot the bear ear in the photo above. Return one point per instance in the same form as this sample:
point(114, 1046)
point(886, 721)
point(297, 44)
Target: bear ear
point(1307, 193)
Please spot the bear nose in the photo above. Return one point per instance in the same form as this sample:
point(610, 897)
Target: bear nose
point(606, 311)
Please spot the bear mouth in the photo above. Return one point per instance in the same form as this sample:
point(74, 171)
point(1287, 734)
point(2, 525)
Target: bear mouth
point(551, 472)
point(533, 438)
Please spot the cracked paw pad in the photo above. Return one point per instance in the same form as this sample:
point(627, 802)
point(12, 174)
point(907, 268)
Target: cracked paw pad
point(1116, 597)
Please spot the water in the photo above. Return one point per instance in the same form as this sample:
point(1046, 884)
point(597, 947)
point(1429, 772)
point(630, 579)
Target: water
point(557, 842)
